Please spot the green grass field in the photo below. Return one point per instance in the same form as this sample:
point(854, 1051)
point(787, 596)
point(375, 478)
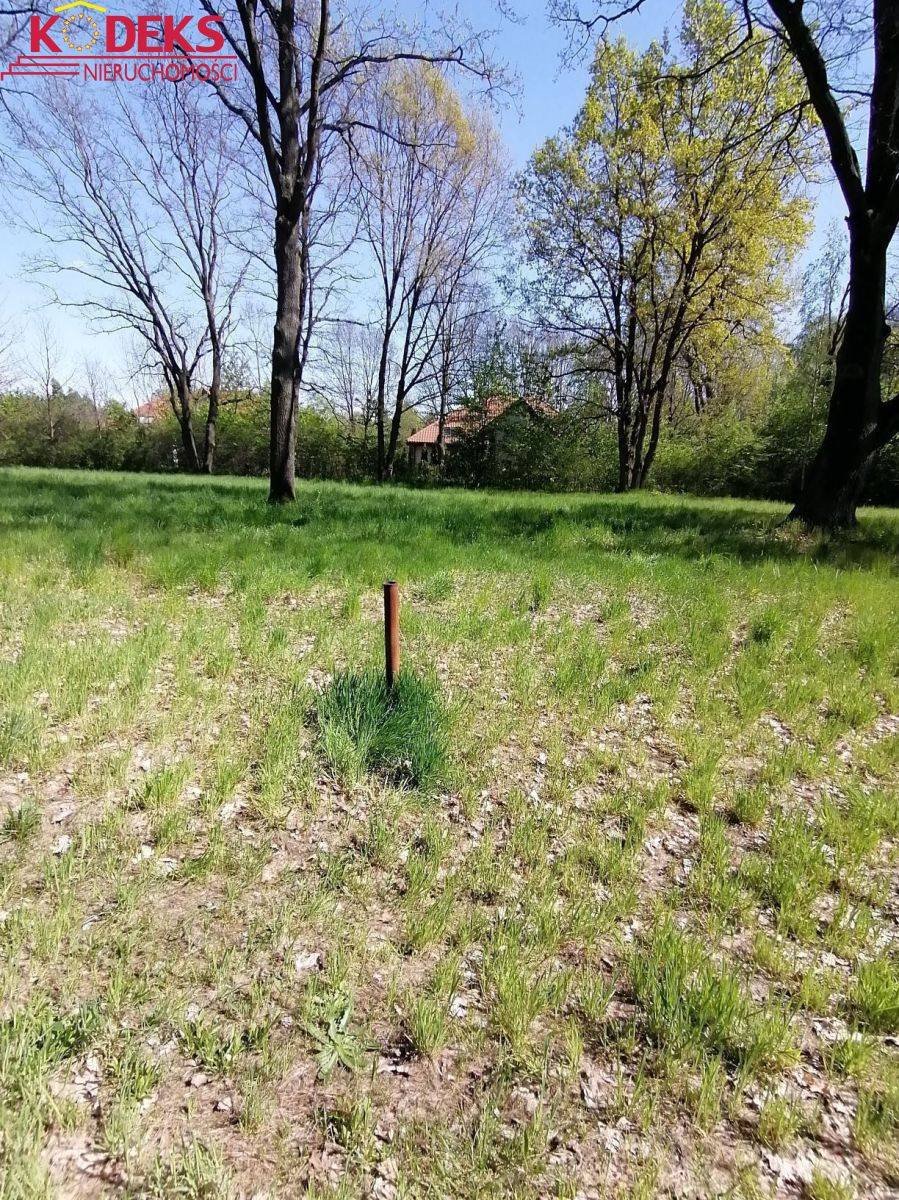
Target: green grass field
point(630, 931)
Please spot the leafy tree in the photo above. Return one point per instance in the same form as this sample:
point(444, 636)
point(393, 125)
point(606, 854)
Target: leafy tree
point(664, 220)
point(848, 53)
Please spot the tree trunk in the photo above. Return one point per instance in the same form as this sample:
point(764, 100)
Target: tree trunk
point(631, 436)
point(625, 421)
point(189, 444)
point(289, 309)
point(180, 400)
point(394, 440)
point(381, 407)
point(210, 439)
point(215, 382)
point(51, 424)
point(212, 410)
point(655, 429)
point(444, 404)
point(832, 488)
point(382, 441)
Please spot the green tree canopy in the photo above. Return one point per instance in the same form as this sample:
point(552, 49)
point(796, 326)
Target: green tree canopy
point(666, 218)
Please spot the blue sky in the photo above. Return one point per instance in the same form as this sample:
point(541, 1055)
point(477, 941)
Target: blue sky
point(552, 87)
point(550, 91)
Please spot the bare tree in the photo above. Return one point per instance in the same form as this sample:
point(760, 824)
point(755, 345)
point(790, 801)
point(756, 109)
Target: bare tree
point(143, 203)
point(304, 65)
point(466, 311)
point(433, 184)
point(253, 344)
point(44, 372)
point(188, 150)
point(10, 337)
point(347, 378)
point(14, 18)
point(96, 383)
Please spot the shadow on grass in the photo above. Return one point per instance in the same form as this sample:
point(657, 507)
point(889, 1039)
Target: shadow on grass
point(201, 526)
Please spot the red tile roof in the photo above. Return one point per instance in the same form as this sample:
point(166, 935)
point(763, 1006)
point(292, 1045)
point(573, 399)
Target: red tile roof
point(152, 409)
point(428, 434)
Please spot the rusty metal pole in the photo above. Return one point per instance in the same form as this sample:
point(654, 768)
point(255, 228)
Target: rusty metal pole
point(391, 631)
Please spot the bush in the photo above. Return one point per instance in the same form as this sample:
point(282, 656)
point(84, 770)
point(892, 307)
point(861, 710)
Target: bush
point(761, 457)
point(754, 447)
point(561, 452)
point(325, 449)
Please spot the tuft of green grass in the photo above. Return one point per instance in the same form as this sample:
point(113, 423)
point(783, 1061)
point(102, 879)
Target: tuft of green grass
point(780, 1121)
point(20, 824)
point(540, 592)
point(823, 1187)
point(217, 1049)
point(849, 1057)
point(877, 1116)
point(874, 996)
point(691, 1003)
point(38, 1035)
point(350, 1126)
point(748, 805)
point(193, 1172)
point(19, 736)
point(401, 733)
point(793, 874)
point(516, 990)
point(427, 1023)
point(134, 1075)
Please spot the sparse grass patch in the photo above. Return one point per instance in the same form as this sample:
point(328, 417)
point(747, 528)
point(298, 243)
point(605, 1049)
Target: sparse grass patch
point(516, 988)
point(780, 1121)
point(690, 1002)
point(217, 1048)
point(35, 1042)
point(749, 804)
point(827, 1187)
point(849, 1056)
point(427, 1023)
point(134, 1075)
point(22, 822)
point(614, 859)
point(194, 1172)
point(792, 874)
point(877, 1115)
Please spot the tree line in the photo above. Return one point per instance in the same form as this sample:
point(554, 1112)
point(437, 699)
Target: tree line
point(352, 194)
point(724, 436)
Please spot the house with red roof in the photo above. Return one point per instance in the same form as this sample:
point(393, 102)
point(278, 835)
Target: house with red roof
point(429, 444)
point(153, 409)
